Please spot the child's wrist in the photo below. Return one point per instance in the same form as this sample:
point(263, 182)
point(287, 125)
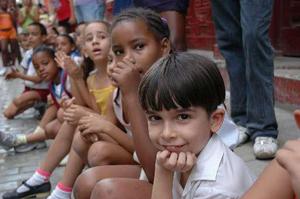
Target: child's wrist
point(162, 170)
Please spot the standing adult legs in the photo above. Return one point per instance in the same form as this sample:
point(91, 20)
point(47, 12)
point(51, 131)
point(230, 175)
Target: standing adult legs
point(255, 21)
point(226, 16)
point(176, 22)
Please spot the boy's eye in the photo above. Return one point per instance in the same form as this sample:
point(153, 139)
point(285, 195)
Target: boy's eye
point(153, 118)
point(183, 116)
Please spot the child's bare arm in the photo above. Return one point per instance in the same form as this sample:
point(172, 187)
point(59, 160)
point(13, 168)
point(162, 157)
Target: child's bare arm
point(18, 74)
point(273, 183)
point(76, 93)
point(34, 78)
point(289, 158)
point(128, 78)
point(162, 185)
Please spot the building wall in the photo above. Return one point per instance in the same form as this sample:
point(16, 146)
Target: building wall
point(199, 25)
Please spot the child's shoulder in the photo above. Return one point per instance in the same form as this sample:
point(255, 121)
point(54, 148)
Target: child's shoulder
point(221, 170)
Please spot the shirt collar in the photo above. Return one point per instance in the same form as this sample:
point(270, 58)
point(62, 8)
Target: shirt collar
point(208, 162)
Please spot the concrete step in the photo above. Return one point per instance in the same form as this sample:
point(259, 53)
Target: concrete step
point(286, 77)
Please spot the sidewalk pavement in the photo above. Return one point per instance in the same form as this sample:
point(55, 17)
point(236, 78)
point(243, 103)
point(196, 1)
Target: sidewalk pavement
point(14, 167)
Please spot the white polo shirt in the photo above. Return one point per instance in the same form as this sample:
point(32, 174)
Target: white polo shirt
point(217, 174)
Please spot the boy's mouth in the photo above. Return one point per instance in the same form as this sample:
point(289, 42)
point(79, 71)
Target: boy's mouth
point(174, 148)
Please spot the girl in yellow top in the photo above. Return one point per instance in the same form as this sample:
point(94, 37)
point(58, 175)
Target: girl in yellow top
point(101, 94)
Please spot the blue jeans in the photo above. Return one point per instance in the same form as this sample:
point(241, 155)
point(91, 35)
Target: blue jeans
point(89, 12)
point(242, 36)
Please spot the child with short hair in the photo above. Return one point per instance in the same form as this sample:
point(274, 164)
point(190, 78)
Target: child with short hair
point(183, 118)
point(36, 89)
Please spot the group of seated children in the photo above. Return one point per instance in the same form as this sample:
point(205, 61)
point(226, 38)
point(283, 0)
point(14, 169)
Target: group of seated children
point(148, 122)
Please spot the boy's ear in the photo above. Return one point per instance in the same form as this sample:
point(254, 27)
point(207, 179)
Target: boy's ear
point(217, 118)
point(165, 46)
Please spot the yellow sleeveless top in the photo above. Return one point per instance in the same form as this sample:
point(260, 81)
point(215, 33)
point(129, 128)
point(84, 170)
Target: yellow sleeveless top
point(101, 95)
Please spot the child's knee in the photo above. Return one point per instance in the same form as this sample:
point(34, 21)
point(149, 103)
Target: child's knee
point(10, 111)
point(84, 185)
point(99, 154)
point(103, 189)
point(80, 146)
point(50, 131)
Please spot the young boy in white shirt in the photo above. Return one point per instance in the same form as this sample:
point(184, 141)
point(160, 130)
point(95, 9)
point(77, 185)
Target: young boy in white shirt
point(180, 95)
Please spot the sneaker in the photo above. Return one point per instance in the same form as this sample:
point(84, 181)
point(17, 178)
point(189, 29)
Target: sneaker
point(8, 140)
point(30, 147)
point(265, 147)
point(243, 136)
point(3, 71)
point(38, 191)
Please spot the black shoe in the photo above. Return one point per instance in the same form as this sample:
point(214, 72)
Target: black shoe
point(38, 191)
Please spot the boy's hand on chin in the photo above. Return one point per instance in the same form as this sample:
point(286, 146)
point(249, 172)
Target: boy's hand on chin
point(181, 162)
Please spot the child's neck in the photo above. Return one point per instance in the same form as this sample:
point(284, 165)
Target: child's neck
point(56, 81)
point(101, 66)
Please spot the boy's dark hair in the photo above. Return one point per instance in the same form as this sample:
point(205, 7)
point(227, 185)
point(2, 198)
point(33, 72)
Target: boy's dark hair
point(157, 25)
point(182, 80)
point(42, 28)
point(44, 48)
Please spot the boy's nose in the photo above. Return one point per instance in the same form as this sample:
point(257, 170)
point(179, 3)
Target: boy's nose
point(168, 132)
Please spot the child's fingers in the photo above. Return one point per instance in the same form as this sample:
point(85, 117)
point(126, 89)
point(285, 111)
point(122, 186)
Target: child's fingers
point(171, 162)
point(181, 161)
point(190, 161)
point(70, 102)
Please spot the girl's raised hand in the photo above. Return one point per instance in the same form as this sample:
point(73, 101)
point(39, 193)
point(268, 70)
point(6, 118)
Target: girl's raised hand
point(181, 162)
point(68, 65)
point(127, 76)
point(289, 158)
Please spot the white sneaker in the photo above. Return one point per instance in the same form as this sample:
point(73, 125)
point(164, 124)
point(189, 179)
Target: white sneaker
point(3, 71)
point(265, 147)
point(243, 136)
